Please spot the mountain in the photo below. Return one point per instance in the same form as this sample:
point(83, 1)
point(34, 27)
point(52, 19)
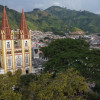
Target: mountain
point(56, 19)
point(84, 20)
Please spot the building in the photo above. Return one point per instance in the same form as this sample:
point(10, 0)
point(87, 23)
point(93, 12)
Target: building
point(35, 52)
point(14, 57)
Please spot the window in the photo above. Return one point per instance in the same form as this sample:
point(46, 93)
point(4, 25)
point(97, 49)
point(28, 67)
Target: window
point(27, 59)
point(36, 51)
point(18, 61)
point(26, 43)
point(8, 45)
point(9, 61)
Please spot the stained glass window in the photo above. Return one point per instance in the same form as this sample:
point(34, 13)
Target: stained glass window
point(26, 43)
point(18, 61)
point(8, 45)
point(9, 61)
point(27, 59)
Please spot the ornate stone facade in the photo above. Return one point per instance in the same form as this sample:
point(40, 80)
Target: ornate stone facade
point(19, 57)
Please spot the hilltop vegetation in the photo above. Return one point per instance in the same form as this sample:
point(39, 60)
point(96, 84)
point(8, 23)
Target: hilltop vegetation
point(55, 19)
point(69, 53)
point(84, 20)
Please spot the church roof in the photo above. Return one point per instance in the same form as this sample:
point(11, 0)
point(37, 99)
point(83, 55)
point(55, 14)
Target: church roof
point(23, 25)
point(5, 25)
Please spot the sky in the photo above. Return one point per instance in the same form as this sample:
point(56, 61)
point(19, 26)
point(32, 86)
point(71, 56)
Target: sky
point(29, 5)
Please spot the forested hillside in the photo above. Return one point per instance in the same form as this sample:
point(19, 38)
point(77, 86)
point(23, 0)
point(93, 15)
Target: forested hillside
point(84, 20)
point(55, 19)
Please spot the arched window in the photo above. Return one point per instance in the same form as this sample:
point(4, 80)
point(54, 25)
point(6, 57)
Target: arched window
point(27, 59)
point(18, 61)
point(26, 43)
point(9, 62)
point(8, 45)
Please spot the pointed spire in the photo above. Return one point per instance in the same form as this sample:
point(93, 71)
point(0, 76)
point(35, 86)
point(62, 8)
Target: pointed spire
point(23, 25)
point(5, 25)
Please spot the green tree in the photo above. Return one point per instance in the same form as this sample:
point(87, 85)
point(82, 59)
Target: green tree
point(69, 53)
point(24, 85)
point(8, 83)
point(65, 86)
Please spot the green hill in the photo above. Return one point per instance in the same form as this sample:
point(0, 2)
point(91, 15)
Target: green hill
point(55, 19)
point(84, 20)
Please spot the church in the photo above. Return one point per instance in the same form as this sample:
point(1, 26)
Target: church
point(15, 57)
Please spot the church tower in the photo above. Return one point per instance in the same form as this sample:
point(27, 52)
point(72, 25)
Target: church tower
point(6, 46)
point(24, 37)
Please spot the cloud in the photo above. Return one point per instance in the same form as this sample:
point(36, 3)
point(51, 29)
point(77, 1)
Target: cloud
point(97, 12)
point(29, 5)
point(75, 4)
point(55, 3)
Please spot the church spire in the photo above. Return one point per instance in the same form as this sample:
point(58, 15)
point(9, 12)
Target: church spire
point(23, 26)
point(5, 25)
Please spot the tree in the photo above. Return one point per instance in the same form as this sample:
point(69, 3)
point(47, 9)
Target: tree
point(67, 85)
point(8, 83)
point(25, 84)
point(69, 53)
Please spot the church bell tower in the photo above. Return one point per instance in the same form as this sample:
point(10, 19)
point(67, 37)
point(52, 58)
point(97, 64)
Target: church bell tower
point(6, 45)
point(24, 37)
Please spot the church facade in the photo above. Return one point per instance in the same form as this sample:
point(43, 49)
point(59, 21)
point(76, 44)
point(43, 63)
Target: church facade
point(15, 57)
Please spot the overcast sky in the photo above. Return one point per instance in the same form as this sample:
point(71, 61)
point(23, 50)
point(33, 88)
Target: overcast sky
point(29, 5)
